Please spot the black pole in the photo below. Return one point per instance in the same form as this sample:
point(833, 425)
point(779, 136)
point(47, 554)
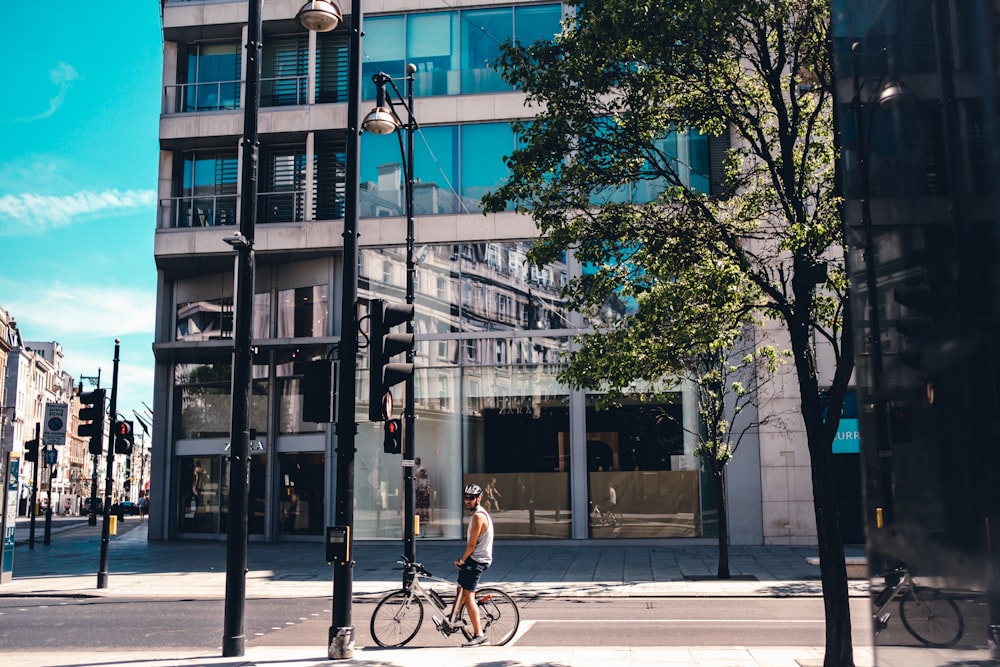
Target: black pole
point(47, 535)
point(340, 639)
point(409, 409)
point(863, 134)
point(34, 489)
point(102, 573)
point(233, 639)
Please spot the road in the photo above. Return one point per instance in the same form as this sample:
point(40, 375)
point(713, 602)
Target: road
point(67, 623)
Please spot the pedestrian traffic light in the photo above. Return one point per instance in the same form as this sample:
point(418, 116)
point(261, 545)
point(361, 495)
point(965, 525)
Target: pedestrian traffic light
point(31, 450)
point(92, 419)
point(382, 346)
point(317, 391)
point(393, 441)
point(124, 438)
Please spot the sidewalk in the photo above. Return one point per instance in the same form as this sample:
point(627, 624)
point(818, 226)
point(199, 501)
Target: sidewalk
point(68, 566)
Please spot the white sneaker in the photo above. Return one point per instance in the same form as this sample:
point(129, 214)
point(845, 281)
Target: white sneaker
point(481, 640)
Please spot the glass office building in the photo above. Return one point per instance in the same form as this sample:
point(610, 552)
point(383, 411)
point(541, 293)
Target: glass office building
point(491, 330)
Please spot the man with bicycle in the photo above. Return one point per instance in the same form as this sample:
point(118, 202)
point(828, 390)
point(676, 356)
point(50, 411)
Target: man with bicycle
point(478, 556)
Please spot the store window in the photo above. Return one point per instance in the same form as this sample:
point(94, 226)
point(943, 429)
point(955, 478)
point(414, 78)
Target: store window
point(302, 493)
point(641, 482)
point(517, 449)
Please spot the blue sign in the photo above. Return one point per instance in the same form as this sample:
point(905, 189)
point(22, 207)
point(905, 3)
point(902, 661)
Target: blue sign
point(848, 438)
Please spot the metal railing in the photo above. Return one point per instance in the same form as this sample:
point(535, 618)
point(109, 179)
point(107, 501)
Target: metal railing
point(209, 96)
point(200, 211)
point(284, 91)
point(282, 206)
point(279, 91)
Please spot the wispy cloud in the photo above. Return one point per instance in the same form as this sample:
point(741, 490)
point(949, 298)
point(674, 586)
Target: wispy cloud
point(63, 77)
point(78, 311)
point(27, 213)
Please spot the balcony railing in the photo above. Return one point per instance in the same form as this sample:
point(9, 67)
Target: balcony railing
point(209, 96)
point(284, 91)
point(220, 210)
point(210, 211)
point(279, 91)
point(283, 206)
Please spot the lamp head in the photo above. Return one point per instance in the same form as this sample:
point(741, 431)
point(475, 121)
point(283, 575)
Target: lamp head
point(320, 15)
point(381, 120)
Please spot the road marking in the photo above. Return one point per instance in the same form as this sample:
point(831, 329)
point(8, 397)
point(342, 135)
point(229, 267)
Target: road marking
point(522, 628)
point(671, 620)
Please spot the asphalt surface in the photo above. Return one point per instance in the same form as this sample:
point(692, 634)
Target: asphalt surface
point(69, 565)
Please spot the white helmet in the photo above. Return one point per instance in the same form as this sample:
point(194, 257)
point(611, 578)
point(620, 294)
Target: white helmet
point(473, 490)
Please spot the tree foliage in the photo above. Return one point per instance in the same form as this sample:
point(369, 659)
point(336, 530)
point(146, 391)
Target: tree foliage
point(610, 92)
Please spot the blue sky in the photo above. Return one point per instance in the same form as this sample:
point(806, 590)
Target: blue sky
point(78, 171)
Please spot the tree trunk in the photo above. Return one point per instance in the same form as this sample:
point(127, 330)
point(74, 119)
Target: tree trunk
point(718, 473)
point(819, 438)
point(832, 567)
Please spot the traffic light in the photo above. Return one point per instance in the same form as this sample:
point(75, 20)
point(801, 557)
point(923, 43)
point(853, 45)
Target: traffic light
point(92, 411)
point(382, 346)
point(317, 391)
point(124, 438)
point(393, 441)
point(31, 450)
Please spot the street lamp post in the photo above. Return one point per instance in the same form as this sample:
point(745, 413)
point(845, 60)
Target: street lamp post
point(384, 120)
point(324, 16)
point(887, 93)
point(233, 638)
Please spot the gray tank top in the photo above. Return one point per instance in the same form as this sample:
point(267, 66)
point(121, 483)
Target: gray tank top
point(483, 553)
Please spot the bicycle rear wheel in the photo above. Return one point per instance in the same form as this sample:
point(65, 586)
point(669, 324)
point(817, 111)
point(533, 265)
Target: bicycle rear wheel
point(396, 619)
point(498, 616)
point(931, 617)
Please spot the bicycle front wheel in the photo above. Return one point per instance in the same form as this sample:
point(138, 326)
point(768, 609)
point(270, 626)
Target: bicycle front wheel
point(396, 619)
point(498, 616)
point(931, 617)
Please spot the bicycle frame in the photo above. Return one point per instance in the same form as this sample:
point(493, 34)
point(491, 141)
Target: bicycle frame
point(413, 586)
point(904, 584)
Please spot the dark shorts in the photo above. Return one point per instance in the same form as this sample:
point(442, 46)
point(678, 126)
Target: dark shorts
point(469, 574)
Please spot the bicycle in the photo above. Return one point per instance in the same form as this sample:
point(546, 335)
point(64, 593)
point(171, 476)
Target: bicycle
point(610, 517)
point(398, 616)
point(927, 614)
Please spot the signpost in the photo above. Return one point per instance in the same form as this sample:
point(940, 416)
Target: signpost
point(56, 416)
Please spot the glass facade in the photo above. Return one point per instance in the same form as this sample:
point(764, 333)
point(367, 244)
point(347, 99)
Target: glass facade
point(921, 219)
point(490, 333)
point(491, 329)
point(452, 50)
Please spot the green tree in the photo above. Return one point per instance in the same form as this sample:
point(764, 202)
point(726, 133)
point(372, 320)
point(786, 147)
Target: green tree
point(611, 92)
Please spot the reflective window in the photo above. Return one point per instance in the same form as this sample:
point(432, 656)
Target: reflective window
point(204, 400)
point(212, 319)
point(484, 147)
point(641, 482)
point(448, 159)
point(303, 312)
point(300, 505)
point(207, 196)
point(452, 50)
point(384, 47)
point(432, 45)
point(213, 76)
point(483, 31)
